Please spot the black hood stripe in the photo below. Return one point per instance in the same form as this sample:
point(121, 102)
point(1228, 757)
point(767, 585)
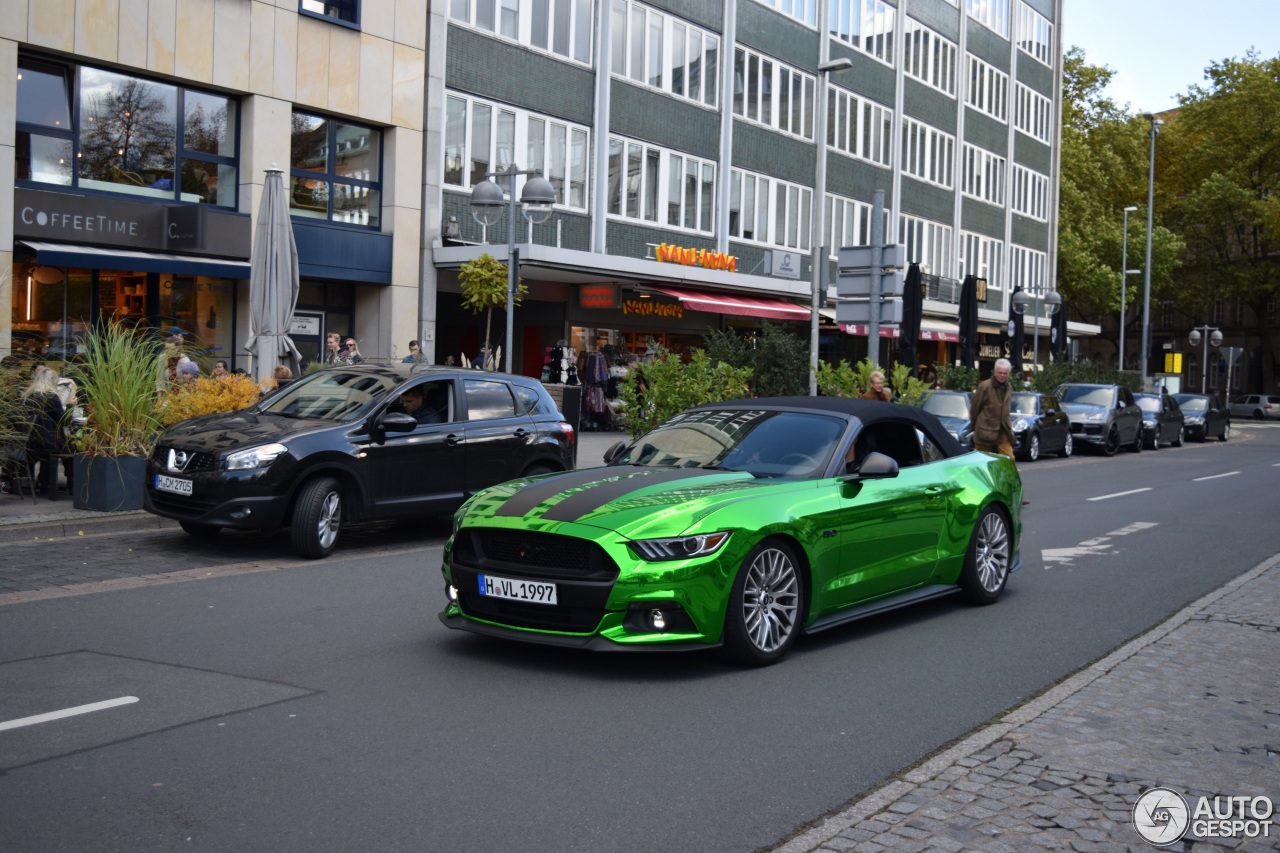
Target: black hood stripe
point(533, 494)
point(590, 499)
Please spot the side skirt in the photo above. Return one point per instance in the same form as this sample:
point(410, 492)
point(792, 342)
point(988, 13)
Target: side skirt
point(882, 605)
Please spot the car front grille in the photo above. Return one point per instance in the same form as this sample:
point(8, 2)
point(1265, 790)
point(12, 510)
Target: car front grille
point(1086, 429)
point(197, 462)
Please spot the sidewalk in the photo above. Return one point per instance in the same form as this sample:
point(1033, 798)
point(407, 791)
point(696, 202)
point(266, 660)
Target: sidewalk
point(1192, 705)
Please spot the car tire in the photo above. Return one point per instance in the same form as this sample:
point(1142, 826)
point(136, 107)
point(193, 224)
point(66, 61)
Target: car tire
point(1033, 447)
point(1177, 440)
point(1226, 432)
point(1155, 441)
point(986, 565)
point(1068, 447)
point(538, 470)
point(1112, 443)
point(200, 531)
point(766, 605)
point(317, 518)
point(1136, 447)
point(1259, 415)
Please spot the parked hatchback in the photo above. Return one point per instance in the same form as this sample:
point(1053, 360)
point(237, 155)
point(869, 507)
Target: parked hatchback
point(1102, 416)
point(1204, 416)
point(353, 443)
point(952, 408)
point(1256, 406)
point(1039, 425)
point(1162, 420)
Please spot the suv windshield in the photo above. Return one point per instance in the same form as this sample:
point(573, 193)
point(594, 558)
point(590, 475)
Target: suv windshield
point(332, 394)
point(1089, 395)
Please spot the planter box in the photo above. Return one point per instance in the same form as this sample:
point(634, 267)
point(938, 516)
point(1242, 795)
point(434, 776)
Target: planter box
point(109, 483)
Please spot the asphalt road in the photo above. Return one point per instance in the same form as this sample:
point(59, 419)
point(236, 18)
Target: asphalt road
point(292, 705)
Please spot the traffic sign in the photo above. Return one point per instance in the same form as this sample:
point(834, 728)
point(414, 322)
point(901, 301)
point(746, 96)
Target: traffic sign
point(859, 311)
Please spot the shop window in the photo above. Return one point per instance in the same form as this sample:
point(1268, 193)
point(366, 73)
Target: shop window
point(128, 135)
point(335, 171)
point(346, 11)
point(51, 309)
point(203, 308)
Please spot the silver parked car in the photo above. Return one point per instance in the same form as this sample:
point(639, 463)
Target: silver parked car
point(1103, 416)
point(1256, 406)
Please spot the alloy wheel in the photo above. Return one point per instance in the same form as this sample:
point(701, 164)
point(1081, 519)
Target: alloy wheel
point(330, 520)
point(991, 553)
point(770, 599)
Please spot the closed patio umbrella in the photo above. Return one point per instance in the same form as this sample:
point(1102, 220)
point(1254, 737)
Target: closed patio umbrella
point(969, 321)
point(1058, 334)
point(1014, 337)
point(273, 282)
point(912, 307)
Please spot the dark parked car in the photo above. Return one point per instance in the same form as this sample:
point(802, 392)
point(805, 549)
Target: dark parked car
point(952, 408)
point(1204, 416)
point(1162, 421)
point(1257, 406)
point(1102, 416)
point(1039, 425)
point(342, 444)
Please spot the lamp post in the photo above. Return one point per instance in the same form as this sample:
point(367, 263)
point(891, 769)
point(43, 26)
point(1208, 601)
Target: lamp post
point(1124, 278)
point(1051, 304)
point(1146, 273)
point(487, 201)
point(1215, 339)
point(819, 218)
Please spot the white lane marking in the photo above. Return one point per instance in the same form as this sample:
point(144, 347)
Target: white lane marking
point(68, 712)
point(1097, 546)
point(1120, 494)
point(1136, 527)
point(1214, 476)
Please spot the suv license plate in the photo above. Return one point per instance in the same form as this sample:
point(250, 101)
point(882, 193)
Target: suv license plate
point(531, 592)
point(173, 485)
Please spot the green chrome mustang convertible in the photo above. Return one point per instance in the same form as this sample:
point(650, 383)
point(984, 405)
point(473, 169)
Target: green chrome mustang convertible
point(739, 525)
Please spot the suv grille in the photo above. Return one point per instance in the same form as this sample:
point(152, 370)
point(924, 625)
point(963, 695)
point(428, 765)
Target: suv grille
point(197, 462)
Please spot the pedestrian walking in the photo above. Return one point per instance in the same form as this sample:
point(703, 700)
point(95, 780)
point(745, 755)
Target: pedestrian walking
point(989, 412)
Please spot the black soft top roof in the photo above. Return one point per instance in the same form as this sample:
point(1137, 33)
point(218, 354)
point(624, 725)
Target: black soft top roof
point(865, 411)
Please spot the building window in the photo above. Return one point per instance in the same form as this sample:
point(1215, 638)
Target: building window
point(929, 57)
point(1027, 269)
point(482, 137)
point(982, 174)
point(766, 210)
point(1240, 312)
point(804, 11)
point(1030, 193)
point(988, 89)
point(859, 127)
point(928, 153)
point(658, 185)
point(559, 27)
point(980, 256)
point(928, 243)
point(335, 170)
point(773, 94)
point(347, 11)
point(850, 223)
point(665, 53)
point(865, 24)
point(1166, 314)
point(1032, 113)
point(992, 14)
point(1219, 311)
point(127, 135)
point(1035, 34)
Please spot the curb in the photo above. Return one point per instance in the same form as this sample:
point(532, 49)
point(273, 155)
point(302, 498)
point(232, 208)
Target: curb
point(66, 526)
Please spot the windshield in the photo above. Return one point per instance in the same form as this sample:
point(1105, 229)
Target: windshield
point(946, 405)
point(1023, 404)
point(333, 394)
point(1089, 395)
point(1191, 403)
point(767, 444)
point(1148, 403)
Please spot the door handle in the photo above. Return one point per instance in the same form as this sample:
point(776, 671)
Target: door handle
point(452, 440)
point(521, 432)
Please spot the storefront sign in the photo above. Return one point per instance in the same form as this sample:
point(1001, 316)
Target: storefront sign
point(652, 308)
point(982, 290)
point(782, 264)
point(696, 257)
point(599, 295)
point(305, 324)
point(989, 351)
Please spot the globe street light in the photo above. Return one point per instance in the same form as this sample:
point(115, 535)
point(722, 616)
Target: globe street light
point(819, 219)
point(1215, 339)
point(1124, 278)
point(1052, 302)
point(1146, 273)
point(487, 201)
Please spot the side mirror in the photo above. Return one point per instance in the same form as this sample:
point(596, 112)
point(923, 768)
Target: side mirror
point(397, 422)
point(876, 466)
point(614, 452)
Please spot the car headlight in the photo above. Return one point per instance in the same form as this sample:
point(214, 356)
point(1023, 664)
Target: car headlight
point(255, 457)
point(1195, 420)
point(1096, 416)
point(681, 547)
point(1021, 425)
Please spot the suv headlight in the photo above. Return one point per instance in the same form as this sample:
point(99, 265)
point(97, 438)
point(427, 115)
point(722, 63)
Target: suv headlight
point(255, 457)
point(681, 547)
point(1096, 416)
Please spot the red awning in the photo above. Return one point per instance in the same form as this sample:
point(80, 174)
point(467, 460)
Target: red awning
point(746, 306)
point(861, 330)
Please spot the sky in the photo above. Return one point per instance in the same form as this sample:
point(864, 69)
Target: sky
point(1160, 48)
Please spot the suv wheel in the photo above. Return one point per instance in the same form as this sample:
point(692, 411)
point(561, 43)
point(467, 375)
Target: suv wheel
point(1112, 444)
point(317, 518)
point(1068, 447)
point(1226, 432)
point(1177, 441)
point(1136, 447)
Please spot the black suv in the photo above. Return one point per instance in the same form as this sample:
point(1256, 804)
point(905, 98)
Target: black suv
point(348, 444)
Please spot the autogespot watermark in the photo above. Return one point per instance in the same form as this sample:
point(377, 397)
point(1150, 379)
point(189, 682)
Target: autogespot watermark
point(1162, 817)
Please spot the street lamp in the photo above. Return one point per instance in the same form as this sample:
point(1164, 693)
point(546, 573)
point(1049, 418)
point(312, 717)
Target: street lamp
point(1124, 279)
point(487, 201)
point(1051, 304)
point(819, 219)
point(1215, 339)
point(1146, 273)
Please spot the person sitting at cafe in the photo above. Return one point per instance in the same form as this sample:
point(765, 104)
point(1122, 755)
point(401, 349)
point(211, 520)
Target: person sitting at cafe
point(414, 403)
point(43, 410)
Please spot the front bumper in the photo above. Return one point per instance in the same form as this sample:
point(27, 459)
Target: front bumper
point(1093, 432)
point(240, 500)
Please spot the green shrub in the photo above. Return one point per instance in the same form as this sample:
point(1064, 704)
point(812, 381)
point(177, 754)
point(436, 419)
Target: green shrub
point(673, 385)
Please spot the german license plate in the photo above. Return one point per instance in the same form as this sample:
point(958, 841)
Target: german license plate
point(531, 592)
point(174, 485)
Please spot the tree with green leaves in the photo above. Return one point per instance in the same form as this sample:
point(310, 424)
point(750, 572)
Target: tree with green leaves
point(484, 287)
point(672, 385)
point(778, 358)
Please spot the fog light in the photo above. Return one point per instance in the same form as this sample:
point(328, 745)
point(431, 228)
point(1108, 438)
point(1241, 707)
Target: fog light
point(657, 620)
point(451, 592)
point(240, 512)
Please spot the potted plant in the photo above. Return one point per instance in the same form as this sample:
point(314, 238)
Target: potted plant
point(117, 374)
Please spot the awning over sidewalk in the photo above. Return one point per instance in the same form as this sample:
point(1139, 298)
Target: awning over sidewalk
point(746, 306)
point(930, 330)
point(73, 255)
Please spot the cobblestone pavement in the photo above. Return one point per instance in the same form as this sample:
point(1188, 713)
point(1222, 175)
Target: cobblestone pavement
point(1193, 705)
